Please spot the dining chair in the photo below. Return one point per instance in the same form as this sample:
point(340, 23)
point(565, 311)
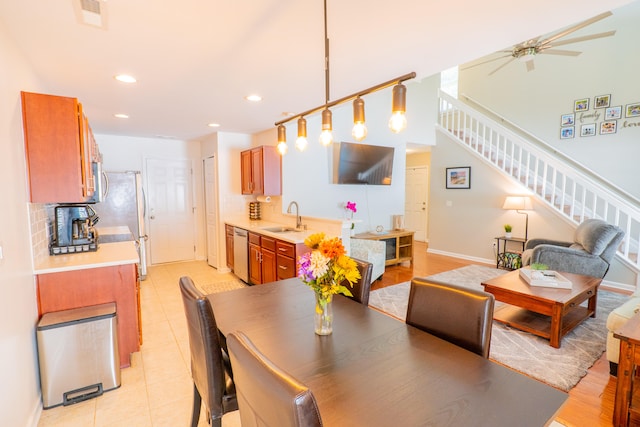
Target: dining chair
point(210, 365)
point(454, 313)
point(362, 287)
point(268, 396)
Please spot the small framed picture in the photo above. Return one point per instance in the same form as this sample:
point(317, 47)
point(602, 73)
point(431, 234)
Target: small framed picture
point(459, 177)
point(608, 127)
point(588, 130)
point(568, 119)
point(632, 110)
point(567, 132)
point(581, 105)
point(613, 113)
point(602, 101)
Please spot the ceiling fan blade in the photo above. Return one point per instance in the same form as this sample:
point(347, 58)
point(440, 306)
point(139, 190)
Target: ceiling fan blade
point(576, 27)
point(530, 66)
point(488, 60)
point(560, 52)
point(503, 65)
point(581, 39)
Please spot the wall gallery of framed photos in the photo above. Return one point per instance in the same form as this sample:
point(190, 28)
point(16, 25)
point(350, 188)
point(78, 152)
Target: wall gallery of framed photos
point(597, 116)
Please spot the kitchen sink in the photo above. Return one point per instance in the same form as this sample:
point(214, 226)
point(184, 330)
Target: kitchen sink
point(280, 229)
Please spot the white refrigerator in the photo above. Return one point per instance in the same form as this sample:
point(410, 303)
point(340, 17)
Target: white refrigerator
point(124, 204)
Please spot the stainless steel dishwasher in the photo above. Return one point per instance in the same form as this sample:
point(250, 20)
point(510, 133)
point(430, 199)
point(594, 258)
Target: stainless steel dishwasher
point(241, 254)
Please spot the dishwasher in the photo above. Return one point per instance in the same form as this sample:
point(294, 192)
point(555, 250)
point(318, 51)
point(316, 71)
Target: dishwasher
point(241, 254)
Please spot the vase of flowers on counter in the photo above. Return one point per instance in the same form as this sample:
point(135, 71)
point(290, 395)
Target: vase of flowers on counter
point(350, 209)
point(324, 270)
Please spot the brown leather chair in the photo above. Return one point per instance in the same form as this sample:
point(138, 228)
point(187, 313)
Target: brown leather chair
point(210, 366)
point(362, 287)
point(268, 396)
point(456, 314)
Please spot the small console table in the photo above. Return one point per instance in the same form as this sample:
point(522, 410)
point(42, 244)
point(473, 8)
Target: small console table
point(509, 252)
point(399, 244)
point(626, 408)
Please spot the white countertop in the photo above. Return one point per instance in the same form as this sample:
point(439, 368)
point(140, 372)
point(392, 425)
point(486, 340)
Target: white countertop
point(259, 227)
point(107, 255)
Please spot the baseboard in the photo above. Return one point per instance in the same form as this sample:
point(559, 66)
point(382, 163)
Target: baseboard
point(461, 256)
point(36, 413)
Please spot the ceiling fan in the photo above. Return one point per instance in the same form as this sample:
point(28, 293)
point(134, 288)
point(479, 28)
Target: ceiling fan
point(526, 51)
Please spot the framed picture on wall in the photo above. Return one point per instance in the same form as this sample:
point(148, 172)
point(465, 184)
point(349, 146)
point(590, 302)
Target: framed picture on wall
point(459, 177)
point(581, 105)
point(602, 101)
point(613, 113)
point(568, 119)
point(608, 127)
point(567, 132)
point(632, 110)
point(588, 130)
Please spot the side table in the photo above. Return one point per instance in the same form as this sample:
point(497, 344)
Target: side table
point(509, 252)
point(624, 409)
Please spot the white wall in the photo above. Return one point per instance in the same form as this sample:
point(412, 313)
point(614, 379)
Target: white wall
point(20, 404)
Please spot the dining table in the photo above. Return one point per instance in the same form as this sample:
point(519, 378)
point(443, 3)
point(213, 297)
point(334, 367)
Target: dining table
point(375, 370)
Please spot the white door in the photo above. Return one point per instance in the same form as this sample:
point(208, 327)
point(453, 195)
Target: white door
point(171, 211)
point(211, 211)
point(415, 209)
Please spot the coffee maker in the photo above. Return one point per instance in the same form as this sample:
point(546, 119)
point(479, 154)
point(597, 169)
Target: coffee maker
point(73, 230)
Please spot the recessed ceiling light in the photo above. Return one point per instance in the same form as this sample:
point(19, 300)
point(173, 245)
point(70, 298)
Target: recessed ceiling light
point(214, 125)
point(121, 116)
point(253, 98)
point(125, 78)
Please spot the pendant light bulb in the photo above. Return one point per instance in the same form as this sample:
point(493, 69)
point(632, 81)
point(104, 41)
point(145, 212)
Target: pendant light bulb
point(359, 131)
point(398, 120)
point(301, 142)
point(282, 140)
point(326, 136)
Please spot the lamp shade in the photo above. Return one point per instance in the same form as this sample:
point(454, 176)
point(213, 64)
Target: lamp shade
point(519, 203)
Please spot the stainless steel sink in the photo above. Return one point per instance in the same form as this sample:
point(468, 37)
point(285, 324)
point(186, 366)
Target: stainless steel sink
point(280, 229)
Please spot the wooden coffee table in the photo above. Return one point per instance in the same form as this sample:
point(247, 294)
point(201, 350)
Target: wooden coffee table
point(547, 312)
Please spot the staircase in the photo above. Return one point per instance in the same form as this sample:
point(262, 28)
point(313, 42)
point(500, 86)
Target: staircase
point(563, 184)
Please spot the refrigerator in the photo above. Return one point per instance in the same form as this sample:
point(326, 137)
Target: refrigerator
point(124, 204)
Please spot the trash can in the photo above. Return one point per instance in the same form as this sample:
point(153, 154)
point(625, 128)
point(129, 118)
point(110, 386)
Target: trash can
point(78, 354)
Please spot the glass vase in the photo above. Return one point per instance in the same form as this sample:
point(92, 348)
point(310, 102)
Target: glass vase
point(323, 319)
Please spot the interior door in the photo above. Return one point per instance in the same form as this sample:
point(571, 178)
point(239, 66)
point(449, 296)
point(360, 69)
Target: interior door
point(415, 210)
point(211, 211)
point(171, 210)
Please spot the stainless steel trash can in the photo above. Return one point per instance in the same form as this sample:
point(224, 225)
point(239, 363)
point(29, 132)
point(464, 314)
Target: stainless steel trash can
point(78, 354)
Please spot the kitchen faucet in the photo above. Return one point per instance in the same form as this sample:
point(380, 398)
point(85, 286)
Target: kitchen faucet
point(298, 218)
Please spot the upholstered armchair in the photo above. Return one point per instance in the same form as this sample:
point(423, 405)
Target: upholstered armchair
point(373, 251)
point(594, 245)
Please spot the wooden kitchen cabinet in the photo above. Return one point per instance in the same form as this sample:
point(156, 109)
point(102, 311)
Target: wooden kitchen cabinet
point(229, 239)
point(60, 149)
point(261, 169)
point(85, 287)
point(262, 259)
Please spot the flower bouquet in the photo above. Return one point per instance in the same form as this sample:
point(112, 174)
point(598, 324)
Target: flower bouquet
point(324, 269)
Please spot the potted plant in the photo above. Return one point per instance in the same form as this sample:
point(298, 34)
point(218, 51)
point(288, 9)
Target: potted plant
point(507, 231)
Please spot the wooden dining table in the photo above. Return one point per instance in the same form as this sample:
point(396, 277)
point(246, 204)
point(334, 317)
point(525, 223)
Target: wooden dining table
point(375, 370)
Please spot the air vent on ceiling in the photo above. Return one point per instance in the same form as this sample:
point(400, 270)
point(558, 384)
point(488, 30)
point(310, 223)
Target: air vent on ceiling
point(91, 12)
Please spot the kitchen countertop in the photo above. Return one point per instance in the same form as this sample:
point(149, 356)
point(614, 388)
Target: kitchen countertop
point(107, 255)
point(294, 237)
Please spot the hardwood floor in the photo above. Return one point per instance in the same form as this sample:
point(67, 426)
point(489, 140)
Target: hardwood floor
point(590, 403)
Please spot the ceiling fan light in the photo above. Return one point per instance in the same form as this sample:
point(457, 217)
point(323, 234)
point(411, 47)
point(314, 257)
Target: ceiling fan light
point(359, 131)
point(326, 136)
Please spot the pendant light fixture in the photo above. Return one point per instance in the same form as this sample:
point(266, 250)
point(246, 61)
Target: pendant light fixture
point(301, 142)
point(397, 122)
point(282, 140)
point(359, 131)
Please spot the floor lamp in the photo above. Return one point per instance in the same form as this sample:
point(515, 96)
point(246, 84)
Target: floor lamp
point(520, 203)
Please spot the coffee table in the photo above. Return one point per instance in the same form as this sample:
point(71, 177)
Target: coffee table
point(547, 312)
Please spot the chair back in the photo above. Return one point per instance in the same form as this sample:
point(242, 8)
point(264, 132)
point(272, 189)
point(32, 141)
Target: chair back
point(207, 358)
point(362, 287)
point(599, 238)
point(268, 396)
point(454, 313)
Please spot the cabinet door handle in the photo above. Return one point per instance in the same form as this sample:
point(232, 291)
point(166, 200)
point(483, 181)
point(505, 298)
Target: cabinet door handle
point(282, 249)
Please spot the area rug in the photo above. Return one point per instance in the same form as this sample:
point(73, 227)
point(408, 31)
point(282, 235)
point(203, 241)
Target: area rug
point(559, 367)
point(227, 285)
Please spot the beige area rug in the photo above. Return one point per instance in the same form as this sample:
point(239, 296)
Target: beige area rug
point(227, 285)
point(559, 367)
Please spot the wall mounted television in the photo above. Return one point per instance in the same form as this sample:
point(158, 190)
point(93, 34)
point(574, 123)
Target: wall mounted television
point(363, 164)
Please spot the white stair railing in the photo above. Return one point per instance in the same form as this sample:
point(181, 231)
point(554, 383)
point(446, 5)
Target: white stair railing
point(563, 184)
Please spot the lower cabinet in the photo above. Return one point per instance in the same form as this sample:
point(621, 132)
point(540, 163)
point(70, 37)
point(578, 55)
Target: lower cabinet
point(81, 288)
point(229, 240)
point(262, 259)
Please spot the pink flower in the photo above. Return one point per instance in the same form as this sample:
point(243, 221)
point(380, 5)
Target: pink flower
point(351, 206)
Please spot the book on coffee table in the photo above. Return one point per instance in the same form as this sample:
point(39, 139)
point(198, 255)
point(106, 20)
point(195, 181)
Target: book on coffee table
point(545, 278)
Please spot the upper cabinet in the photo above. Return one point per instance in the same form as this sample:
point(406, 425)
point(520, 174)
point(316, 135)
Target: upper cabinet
point(60, 149)
point(261, 171)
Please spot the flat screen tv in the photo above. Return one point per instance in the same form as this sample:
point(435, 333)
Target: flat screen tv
point(364, 164)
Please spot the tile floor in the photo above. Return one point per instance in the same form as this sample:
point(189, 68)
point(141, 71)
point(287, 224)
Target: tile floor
point(156, 391)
